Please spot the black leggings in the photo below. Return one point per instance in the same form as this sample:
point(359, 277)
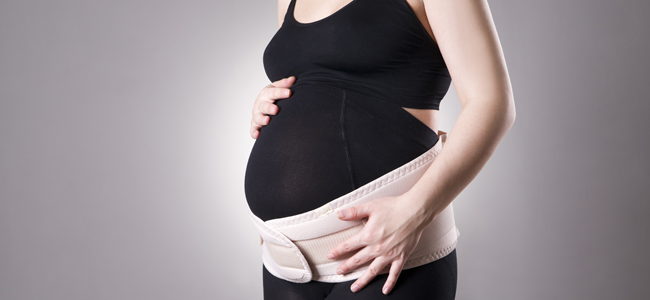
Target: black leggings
point(325, 142)
point(433, 281)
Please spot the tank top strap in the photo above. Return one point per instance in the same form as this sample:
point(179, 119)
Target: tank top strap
point(290, 11)
point(288, 15)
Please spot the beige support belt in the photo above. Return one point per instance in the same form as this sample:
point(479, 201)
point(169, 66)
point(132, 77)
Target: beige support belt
point(295, 248)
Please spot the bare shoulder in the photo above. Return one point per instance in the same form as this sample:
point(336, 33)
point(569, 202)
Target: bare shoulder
point(283, 5)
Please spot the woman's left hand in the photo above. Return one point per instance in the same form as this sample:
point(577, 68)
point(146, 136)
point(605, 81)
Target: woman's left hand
point(392, 231)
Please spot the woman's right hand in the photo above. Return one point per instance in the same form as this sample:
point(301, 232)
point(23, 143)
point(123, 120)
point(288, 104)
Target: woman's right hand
point(263, 106)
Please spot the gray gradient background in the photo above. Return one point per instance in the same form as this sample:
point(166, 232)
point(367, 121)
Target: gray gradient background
point(124, 140)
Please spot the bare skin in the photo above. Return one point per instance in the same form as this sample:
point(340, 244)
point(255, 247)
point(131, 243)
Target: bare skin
point(468, 41)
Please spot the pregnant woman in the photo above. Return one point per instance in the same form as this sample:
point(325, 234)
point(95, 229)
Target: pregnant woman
point(348, 183)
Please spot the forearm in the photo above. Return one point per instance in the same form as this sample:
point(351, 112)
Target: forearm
point(480, 127)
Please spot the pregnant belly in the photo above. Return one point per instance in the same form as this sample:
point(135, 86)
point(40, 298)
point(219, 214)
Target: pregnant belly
point(323, 143)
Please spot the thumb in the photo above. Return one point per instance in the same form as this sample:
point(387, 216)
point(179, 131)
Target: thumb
point(353, 213)
point(285, 82)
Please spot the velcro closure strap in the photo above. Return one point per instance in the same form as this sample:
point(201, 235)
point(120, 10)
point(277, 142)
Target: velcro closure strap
point(295, 267)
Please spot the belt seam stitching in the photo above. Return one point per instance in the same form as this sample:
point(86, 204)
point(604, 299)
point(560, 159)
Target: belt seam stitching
point(345, 141)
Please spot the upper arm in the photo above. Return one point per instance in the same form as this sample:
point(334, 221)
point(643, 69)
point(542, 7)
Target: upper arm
point(470, 46)
point(283, 5)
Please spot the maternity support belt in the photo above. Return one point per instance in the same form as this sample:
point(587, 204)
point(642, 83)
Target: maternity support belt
point(295, 248)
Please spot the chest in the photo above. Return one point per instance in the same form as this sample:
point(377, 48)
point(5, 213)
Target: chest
point(362, 36)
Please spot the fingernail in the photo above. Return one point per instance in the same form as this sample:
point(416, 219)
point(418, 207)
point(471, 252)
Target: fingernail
point(355, 288)
point(286, 93)
point(341, 214)
point(339, 271)
point(330, 256)
point(385, 290)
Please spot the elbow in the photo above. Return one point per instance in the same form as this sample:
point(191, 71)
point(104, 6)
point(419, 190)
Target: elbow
point(511, 112)
point(504, 108)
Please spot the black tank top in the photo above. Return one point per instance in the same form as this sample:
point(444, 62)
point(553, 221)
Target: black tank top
point(377, 48)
